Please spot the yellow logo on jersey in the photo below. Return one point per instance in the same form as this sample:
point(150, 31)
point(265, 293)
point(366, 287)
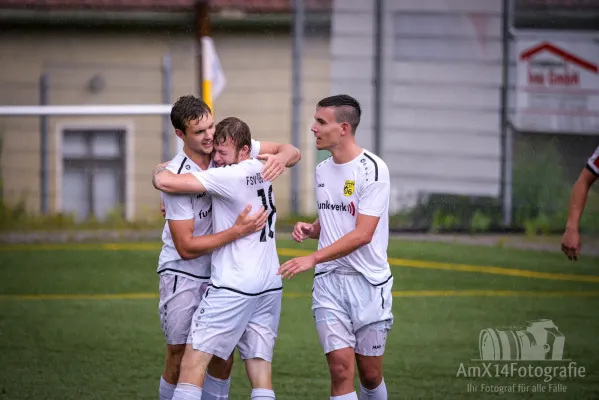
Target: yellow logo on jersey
point(348, 188)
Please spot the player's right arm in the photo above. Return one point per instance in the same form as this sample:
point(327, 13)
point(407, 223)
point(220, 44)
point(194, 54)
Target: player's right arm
point(578, 199)
point(373, 199)
point(304, 230)
point(167, 182)
point(190, 247)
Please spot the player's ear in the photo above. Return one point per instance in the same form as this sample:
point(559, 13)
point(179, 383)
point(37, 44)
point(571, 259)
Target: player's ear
point(345, 128)
point(180, 134)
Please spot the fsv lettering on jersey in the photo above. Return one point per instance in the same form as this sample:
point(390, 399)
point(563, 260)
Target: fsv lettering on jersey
point(252, 180)
point(327, 205)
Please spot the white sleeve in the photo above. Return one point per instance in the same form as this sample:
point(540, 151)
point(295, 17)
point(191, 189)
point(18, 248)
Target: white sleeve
point(374, 190)
point(221, 181)
point(178, 206)
point(255, 149)
point(593, 162)
point(374, 198)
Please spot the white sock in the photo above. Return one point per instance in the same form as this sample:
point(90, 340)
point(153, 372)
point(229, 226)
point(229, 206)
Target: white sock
point(187, 391)
point(349, 396)
point(262, 394)
point(379, 393)
point(215, 389)
point(166, 390)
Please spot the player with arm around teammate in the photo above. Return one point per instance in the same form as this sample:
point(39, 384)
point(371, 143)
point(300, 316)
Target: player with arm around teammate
point(588, 176)
point(351, 298)
point(184, 262)
point(242, 305)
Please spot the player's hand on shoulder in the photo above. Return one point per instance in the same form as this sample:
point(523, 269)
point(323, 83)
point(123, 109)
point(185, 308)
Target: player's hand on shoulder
point(302, 231)
point(161, 167)
point(274, 166)
point(571, 243)
point(248, 224)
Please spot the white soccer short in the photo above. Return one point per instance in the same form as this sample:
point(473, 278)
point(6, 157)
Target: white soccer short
point(351, 312)
point(225, 320)
point(179, 299)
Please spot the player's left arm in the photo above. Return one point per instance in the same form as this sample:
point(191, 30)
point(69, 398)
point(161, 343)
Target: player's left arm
point(571, 238)
point(277, 157)
point(578, 197)
point(165, 181)
point(373, 200)
point(360, 236)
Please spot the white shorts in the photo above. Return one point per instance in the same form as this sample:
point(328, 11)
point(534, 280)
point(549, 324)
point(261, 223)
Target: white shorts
point(351, 312)
point(225, 319)
point(179, 299)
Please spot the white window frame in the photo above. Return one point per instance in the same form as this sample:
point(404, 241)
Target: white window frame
point(128, 128)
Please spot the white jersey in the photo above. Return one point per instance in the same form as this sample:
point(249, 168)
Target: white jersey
point(183, 207)
point(248, 265)
point(361, 186)
point(593, 162)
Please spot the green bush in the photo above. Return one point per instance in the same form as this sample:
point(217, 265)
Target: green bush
point(443, 212)
point(1, 181)
point(540, 189)
point(480, 222)
point(541, 194)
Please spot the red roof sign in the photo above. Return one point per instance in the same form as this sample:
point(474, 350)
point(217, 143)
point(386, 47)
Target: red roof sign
point(548, 47)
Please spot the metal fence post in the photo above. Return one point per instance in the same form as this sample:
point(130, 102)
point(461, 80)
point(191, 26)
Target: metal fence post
point(378, 75)
point(506, 130)
point(166, 99)
point(43, 98)
point(296, 124)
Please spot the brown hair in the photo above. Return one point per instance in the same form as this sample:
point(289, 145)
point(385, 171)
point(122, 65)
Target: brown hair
point(347, 109)
point(188, 108)
point(235, 129)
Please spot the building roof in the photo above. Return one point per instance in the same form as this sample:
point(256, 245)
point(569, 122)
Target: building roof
point(251, 6)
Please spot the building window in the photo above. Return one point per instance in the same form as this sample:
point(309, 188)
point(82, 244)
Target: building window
point(93, 173)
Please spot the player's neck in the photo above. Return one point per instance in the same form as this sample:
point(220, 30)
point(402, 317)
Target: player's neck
point(201, 160)
point(345, 152)
point(242, 158)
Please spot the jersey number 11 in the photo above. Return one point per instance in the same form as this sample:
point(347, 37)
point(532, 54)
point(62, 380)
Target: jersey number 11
point(273, 210)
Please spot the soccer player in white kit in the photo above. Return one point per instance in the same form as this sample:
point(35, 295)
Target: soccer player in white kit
point(571, 238)
point(351, 298)
point(184, 262)
point(242, 305)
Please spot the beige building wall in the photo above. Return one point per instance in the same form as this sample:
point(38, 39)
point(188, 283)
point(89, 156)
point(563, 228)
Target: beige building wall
point(258, 70)
point(259, 90)
point(130, 66)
